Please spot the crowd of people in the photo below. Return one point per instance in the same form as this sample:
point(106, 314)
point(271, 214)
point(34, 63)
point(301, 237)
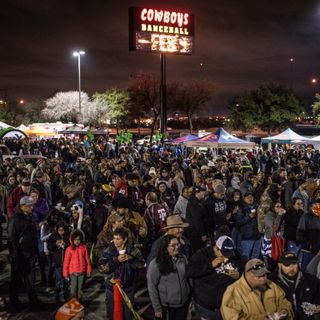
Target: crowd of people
point(198, 230)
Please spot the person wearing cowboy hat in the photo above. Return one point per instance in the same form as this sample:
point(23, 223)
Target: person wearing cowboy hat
point(175, 227)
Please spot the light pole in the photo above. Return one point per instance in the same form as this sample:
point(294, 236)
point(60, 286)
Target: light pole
point(78, 55)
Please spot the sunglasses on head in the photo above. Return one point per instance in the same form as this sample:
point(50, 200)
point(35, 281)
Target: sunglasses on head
point(257, 267)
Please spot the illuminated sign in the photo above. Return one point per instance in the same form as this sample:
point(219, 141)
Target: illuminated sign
point(157, 30)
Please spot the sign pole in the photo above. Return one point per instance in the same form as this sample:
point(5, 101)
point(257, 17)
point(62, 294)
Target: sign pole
point(163, 94)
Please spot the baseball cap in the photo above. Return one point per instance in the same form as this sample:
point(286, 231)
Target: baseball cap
point(288, 258)
point(26, 201)
point(257, 267)
point(152, 170)
point(198, 189)
point(226, 245)
point(219, 188)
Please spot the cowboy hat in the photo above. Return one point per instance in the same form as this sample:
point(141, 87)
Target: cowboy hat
point(175, 221)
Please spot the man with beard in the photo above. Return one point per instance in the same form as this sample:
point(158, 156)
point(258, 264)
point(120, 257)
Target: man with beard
point(301, 289)
point(253, 296)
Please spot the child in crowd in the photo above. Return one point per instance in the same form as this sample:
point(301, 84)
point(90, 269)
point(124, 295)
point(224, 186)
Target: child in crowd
point(57, 244)
point(76, 264)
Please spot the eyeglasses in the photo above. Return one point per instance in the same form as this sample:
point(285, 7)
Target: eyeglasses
point(257, 267)
point(175, 245)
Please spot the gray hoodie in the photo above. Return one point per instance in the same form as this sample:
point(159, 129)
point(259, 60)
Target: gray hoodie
point(171, 290)
point(181, 206)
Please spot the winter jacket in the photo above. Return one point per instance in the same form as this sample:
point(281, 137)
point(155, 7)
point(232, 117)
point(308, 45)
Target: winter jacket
point(40, 210)
point(76, 260)
point(209, 284)
point(155, 216)
point(181, 206)
point(217, 212)
point(22, 235)
point(13, 200)
point(306, 290)
point(171, 290)
point(247, 226)
point(57, 252)
point(109, 265)
point(196, 216)
point(273, 223)
point(291, 222)
point(242, 303)
point(264, 207)
point(308, 232)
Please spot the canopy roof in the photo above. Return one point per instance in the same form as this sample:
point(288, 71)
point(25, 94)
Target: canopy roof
point(3, 125)
point(12, 133)
point(220, 139)
point(287, 136)
point(182, 139)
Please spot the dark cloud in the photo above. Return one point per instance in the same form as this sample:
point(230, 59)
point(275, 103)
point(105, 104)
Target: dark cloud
point(240, 44)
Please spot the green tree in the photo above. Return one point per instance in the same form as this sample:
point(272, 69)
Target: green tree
point(33, 112)
point(12, 113)
point(144, 90)
point(117, 104)
point(270, 107)
point(316, 109)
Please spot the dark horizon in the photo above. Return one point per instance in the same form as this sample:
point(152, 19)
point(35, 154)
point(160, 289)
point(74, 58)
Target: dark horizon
point(238, 46)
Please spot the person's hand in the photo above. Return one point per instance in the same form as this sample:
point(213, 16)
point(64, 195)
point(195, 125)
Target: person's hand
point(217, 261)
point(88, 274)
point(158, 314)
point(253, 213)
point(282, 212)
point(142, 232)
point(124, 257)
point(233, 274)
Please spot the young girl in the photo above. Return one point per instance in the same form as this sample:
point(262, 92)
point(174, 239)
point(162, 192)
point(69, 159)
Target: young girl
point(76, 263)
point(57, 244)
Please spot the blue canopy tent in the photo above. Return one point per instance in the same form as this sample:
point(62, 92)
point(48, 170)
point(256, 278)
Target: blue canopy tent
point(287, 136)
point(183, 139)
point(220, 139)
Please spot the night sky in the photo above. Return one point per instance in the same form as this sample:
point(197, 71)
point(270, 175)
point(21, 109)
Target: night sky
point(239, 45)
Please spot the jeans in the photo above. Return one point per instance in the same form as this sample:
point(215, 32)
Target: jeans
point(207, 314)
point(61, 288)
point(76, 285)
point(251, 249)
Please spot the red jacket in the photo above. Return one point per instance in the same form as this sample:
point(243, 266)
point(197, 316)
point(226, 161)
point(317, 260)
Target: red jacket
point(76, 260)
point(14, 199)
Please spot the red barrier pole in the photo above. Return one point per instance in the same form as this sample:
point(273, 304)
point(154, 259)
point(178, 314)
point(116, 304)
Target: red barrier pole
point(117, 302)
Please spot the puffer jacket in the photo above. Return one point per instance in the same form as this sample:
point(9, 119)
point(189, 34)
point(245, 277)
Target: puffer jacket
point(171, 290)
point(76, 260)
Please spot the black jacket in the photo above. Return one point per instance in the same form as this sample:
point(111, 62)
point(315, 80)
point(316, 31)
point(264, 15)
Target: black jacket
point(209, 284)
point(307, 290)
point(196, 216)
point(308, 232)
point(57, 252)
point(291, 221)
point(217, 213)
point(22, 235)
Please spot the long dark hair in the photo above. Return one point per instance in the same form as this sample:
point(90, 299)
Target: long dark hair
point(163, 259)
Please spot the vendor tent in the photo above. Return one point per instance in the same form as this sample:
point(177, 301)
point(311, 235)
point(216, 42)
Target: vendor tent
point(220, 139)
point(75, 129)
point(36, 131)
point(188, 137)
point(287, 136)
point(3, 125)
point(12, 133)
